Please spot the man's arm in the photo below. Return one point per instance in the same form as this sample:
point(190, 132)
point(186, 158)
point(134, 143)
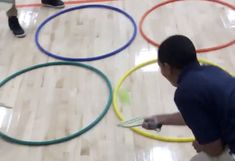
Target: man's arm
point(171, 119)
point(152, 122)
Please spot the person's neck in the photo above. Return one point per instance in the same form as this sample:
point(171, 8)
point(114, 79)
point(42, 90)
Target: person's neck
point(175, 77)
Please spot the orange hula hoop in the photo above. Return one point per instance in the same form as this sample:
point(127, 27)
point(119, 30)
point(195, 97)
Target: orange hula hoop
point(151, 41)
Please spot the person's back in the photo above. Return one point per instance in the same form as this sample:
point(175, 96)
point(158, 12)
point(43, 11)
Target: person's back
point(212, 91)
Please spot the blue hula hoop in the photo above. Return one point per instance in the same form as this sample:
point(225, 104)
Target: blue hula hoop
point(90, 58)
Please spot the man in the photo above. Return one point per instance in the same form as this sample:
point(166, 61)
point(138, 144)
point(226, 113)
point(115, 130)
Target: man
point(13, 21)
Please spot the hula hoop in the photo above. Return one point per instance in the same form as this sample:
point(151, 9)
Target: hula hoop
point(91, 58)
point(153, 42)
point(137, 130)
point(76, 134)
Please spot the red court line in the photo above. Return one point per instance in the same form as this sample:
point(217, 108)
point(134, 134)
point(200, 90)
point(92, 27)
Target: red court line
point(66, 3)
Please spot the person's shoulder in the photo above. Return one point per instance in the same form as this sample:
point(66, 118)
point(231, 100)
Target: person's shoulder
point(200, 82)
point(194, 83)
point(201, 77)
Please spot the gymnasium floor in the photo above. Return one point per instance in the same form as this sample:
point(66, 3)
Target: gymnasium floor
point(54, 102)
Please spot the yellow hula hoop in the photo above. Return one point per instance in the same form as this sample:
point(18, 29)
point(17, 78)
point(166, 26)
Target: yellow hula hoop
point(137, 130)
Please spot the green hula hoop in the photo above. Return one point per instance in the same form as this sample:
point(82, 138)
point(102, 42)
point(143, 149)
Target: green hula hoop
point(74, 135)
point(140, 131)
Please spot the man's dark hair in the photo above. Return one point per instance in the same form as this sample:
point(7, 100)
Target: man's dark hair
point(177, 51)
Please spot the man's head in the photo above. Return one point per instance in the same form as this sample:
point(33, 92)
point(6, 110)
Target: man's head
point(174, 54)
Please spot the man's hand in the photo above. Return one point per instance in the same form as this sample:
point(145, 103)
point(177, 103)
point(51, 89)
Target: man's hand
point(213, 149)
point(151, 123)
point(197, 146)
